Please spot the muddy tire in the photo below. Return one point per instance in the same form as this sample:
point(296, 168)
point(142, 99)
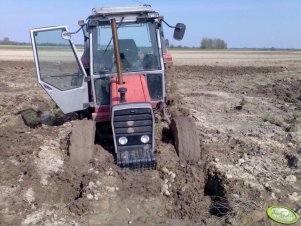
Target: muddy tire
point(82, 141)
point(186, 139)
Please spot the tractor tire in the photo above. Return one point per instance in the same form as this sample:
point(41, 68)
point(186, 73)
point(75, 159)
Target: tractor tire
point(82, 141)
point(186, 139)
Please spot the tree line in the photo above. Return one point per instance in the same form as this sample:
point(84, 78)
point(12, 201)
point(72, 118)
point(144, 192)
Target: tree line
point(7, 41)
point(208, 43)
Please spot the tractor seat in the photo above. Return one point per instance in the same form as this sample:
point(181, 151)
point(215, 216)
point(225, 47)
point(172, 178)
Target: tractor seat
point(129, 55)
point(128, 48)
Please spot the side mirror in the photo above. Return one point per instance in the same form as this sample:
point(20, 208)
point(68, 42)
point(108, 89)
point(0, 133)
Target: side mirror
point(179, 31)
point(66, 35)
point(81, 23)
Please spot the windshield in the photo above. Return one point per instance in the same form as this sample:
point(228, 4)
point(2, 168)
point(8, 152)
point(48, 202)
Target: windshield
point(137, 43)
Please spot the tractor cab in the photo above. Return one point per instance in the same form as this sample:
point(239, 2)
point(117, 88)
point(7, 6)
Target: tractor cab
point(141, 51)
point(120, 76)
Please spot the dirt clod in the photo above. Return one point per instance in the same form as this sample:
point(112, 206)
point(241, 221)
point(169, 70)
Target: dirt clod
point(31, 118)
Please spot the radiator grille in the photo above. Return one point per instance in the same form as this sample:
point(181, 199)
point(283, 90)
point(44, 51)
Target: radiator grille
point(133, 123)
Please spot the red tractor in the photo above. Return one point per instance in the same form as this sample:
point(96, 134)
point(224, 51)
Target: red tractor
point(121, 78)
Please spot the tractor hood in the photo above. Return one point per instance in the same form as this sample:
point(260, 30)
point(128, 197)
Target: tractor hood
point(136, 90)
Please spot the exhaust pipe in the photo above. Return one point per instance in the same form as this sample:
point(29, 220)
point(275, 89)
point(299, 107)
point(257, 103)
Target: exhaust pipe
point(116, 51)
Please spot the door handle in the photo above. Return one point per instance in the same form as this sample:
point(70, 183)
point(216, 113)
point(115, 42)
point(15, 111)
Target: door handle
point(47, 87)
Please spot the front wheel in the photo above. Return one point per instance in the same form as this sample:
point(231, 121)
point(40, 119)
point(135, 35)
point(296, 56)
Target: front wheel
point(186, 139)
point(82, 141)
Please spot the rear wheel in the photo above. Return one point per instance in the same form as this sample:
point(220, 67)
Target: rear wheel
point(82, 141)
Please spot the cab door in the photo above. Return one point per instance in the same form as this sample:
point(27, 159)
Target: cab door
point(59, 69)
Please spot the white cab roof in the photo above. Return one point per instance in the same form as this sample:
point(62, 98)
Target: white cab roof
point(121, 9)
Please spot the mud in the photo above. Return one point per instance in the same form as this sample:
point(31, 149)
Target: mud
point(249, 130)
point(246, 116)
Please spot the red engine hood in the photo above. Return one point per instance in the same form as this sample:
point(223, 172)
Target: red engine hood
point(137, 90)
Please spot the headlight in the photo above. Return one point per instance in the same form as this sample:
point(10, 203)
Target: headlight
point(144, 139)
point(122, 140)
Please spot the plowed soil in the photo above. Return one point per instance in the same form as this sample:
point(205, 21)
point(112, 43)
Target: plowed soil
point(248, 116)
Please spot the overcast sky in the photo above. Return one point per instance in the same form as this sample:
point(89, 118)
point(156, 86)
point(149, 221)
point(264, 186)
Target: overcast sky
point(241, 23)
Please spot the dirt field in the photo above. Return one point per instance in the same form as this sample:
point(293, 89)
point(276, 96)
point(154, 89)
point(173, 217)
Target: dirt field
point(247, 106)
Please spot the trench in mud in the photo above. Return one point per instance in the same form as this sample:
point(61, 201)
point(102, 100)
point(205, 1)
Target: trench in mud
point(214, 188)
